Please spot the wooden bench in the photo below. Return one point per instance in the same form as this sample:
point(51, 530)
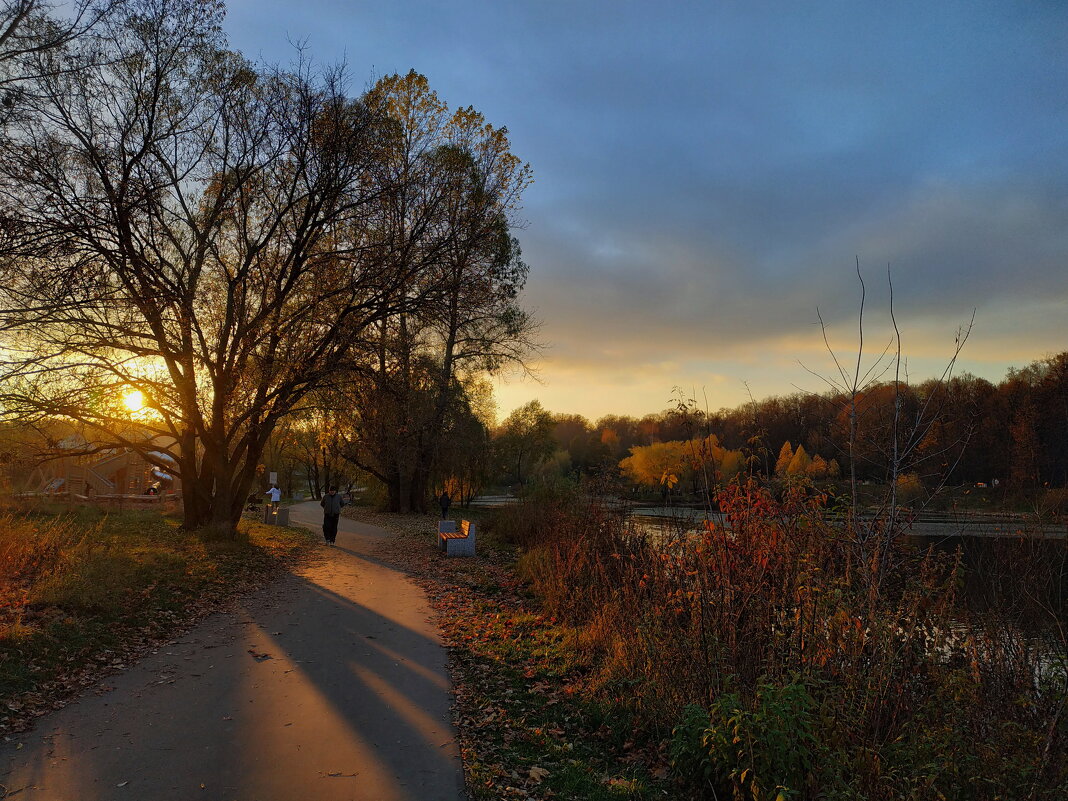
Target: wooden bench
point(456, 543)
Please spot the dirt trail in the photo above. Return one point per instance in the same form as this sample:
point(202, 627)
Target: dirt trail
point(326, 685)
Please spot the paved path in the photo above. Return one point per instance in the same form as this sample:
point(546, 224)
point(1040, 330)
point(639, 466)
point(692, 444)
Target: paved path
point(328, 685)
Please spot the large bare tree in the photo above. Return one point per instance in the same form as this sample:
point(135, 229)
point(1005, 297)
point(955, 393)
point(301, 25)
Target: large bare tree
point(213, 235)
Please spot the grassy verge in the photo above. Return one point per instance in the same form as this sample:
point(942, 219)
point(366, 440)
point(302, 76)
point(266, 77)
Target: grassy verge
point(528, 727)
point(87, 592)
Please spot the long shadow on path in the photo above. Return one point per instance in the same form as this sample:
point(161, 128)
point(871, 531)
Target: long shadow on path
point(327, 685)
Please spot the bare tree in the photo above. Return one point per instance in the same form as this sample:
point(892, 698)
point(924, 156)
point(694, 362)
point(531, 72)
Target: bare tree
point(411, 392)
point(899, 439)
point(28, 28)
point(207, 233)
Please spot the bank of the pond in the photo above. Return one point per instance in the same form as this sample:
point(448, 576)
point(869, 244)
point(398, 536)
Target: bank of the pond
point(529, 727)
point(83, 593)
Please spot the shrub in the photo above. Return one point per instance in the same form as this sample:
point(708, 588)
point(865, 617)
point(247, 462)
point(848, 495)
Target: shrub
point(687, 752)
point(767, 752)
point(546, 511)
point(823, 662)
point(909, 488)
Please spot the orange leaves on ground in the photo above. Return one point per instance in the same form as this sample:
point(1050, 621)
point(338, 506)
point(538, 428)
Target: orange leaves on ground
point(518, 701)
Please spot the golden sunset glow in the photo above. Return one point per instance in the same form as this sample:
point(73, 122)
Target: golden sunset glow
point(134, 401)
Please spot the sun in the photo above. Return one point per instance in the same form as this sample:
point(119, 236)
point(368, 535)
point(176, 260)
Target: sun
point(134, 401)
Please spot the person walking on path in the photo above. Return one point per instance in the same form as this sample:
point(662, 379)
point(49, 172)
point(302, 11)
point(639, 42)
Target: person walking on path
point(331, 503)
point(444, 502)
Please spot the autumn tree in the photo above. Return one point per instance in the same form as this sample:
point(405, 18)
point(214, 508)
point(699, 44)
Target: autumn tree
point(197, 229)
point(817, 468)
point(693, 463)
point(786, 454)
point(573, 433)
point(524, 438)
point(800, 462)
point(662, 464)
point(1024, 448)
point(310, 441)
point(455, 220)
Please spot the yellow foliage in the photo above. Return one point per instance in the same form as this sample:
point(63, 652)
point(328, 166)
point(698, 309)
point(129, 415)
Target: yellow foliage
point(909, 487)
point(648, 464)
point(782, 464)
point(799, 464)
point(677, 461)
point(817, 469)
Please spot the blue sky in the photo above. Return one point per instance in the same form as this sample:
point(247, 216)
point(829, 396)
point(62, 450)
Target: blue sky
point(707, 174)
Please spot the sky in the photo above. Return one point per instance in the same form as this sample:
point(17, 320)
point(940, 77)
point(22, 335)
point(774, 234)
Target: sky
point(709, 174)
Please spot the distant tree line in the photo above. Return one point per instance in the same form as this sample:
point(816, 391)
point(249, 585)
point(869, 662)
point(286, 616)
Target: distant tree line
point(1014, 432)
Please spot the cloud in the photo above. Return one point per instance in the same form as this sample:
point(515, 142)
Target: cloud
point(706, 175)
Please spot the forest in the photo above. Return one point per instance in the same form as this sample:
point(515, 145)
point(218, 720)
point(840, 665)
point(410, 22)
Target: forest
point(1010, 436)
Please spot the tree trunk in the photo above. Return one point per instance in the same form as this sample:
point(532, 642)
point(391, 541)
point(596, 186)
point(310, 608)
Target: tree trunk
point(419, 489)
point(397, 498)
point(213, 496)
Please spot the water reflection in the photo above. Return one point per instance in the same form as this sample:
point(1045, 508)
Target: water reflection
point(1025, 578)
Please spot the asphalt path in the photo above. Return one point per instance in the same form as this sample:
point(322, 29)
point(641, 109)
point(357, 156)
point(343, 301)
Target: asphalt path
point(329, 684)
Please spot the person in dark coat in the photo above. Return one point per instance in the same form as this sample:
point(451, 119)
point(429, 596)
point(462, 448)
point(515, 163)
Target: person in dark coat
point(331, 503)
point(444, 502)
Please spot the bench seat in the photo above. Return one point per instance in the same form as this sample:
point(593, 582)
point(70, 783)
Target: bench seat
point(456, 543)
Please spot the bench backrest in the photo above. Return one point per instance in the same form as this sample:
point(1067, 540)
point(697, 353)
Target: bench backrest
point(465, 527)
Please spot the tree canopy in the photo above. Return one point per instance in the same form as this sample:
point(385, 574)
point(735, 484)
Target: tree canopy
point(224, 237)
